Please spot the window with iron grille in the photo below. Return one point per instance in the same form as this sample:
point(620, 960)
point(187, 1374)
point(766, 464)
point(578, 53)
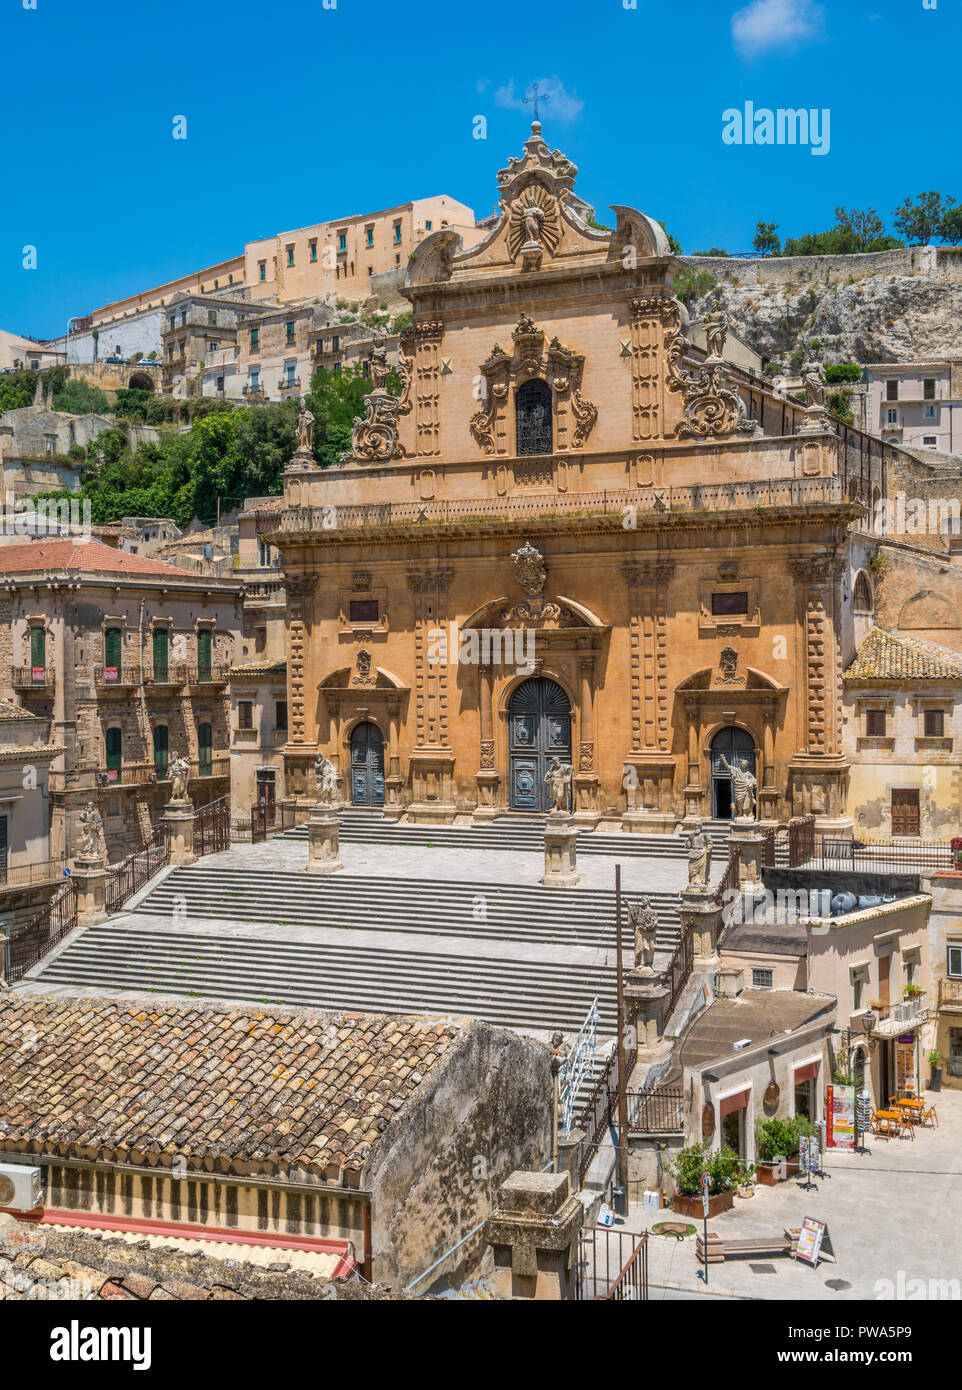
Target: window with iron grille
point(533, 418)
point(763, 979)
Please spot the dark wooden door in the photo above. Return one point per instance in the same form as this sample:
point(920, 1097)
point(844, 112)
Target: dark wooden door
point(906, 816)
point(539, 730)
point(367, 766)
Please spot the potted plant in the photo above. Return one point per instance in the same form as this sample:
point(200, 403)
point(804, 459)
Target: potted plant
point(777, 1145)
point(956, 844)
point(723, 1168)
point(913, 991)
point(935, 1066)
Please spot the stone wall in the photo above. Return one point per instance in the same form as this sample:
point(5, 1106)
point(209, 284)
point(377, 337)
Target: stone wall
point(936, 262)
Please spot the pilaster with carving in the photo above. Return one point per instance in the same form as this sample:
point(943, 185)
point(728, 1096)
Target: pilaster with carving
point(649, 765)
point(647, 317)
point(427, 387)
point(300, 590)
point(432, 759)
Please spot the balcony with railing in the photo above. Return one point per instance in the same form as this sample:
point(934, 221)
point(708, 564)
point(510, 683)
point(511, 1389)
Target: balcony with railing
point(117, 677)
point(950, 994)
point(208, 675)
point(32, 678)
point(289, 383)
point(901, 1018)
point(165, 677)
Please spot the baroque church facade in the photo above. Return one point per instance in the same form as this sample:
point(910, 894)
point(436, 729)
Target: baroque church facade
point(575, 535)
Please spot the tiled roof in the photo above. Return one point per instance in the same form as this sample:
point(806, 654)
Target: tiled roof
point(268, 1089)
point(57, 1262)
point(9, 709)
point(891, 656)
point(258, 668)
point(77, 556)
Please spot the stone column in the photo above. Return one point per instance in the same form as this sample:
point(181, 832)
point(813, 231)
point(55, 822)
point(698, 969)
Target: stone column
point(560, 853)
point(702, 916)
point(486, 777)
point(178, 820)
point(568, 1149)
point(89, 877)
point(393, 782)
point(302, 734)
point(533, 1232)
point(585, 781)
point(768, 792)
point(693, 791)
point(323, 837)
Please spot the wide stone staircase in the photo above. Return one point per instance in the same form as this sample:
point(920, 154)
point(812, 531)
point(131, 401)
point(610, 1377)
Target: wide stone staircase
point(439, 952)
point(511, 832)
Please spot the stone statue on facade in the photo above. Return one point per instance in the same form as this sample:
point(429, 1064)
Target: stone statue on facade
point(816, 385)
point(699, 858)
point(179, 770)
point(379, 366)
point(93, 846)
point(643, 920)
point(558, 781)
point(716, 332)
point(529, 569)
point(325, 780)
point(304, 431)
point(532, 219)
point(743, 780)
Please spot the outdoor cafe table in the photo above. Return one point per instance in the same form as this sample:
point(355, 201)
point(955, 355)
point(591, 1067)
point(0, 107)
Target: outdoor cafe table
point(912, 1104)
point(890, 1118)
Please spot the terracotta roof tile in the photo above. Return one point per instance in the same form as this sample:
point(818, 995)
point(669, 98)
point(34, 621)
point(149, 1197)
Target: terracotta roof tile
point(205, 1082)
point(891, 656)
point(78, 556)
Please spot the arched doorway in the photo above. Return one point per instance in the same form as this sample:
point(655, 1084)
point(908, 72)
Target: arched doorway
point(533, 418)
point(539, 730)
point(367, 765)
point(728, 745)
point(140, 381)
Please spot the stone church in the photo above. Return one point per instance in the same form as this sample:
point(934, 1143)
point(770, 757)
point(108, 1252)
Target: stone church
point(574, 535)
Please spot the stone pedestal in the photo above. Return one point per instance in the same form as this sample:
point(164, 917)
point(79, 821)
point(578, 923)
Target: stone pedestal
point(178, 820)
point(560, 853)
point(89, 877)
point(568, 1155)
point(748, 838)
point(818, 420)
point(323, 836)
point(702, 916)
point(393, 808)
point(487, 809)
point(533, 1232)
point(645, 991)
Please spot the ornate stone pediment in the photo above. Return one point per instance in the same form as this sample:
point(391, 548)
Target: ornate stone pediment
point(374, 439)
point(574, 415)
point(713, 407)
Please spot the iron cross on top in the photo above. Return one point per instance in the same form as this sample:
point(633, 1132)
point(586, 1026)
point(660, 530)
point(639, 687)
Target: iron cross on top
point(534, 98)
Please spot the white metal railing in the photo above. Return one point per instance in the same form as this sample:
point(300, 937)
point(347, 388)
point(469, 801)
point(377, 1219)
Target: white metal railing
point(576, 1066)
point(910, 1013)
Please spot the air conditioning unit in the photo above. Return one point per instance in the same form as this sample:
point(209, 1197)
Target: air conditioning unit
point(21, 1188)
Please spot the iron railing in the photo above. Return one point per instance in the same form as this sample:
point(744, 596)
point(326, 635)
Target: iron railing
point(24, 875)
point(32, 677)
point(576, 1065)
point(612, 1266)
point(32, 942)
point(801, 840)
point(879, 856)
point(729, 879)
point(212, 827)
point(139, 867)
point(659, 1110)
point(108, 676)
point(950, 992)
point(679, 971)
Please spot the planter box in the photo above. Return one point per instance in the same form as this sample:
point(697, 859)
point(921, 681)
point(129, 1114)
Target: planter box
point(771, 1174)
point(691, 1206)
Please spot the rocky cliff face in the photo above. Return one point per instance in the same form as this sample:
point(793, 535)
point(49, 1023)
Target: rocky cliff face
point(872, 318)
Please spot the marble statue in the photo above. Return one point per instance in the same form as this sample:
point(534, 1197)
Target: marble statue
point(699, 858)
point(325, 779)
point(93, 829)
point(816, 384)
point(179, 770)
point(305, 431)
point(744, 788)
point(558, 781)
point(716, 332)
point(643, 920)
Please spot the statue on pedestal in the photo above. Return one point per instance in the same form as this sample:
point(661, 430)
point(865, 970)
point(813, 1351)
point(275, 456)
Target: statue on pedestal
point(643, 920)
point(179, 770)
point(325, 780)
point(93, 830)
point(744, 784)
point(558, 781)
point(699, 858)
point(816, 385)
point(304, 432)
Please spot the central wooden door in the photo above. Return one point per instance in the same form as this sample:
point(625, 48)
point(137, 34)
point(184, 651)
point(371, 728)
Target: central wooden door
point(367, 765)
point(539, 720)
point(906, 814)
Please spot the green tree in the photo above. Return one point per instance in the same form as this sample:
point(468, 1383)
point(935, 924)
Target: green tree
point(766, 240)
point(950, 228)
point(78, 397)
point(864, 225)
point(335, 398)
point(691, 284)
point(920, 221)
point(17, 390)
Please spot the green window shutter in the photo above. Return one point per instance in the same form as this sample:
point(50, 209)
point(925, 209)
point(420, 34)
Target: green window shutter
point(115, 757)
point(112, 649)
point(161, 647)
point(160, 750)
point(205, 747)
point(203, 654)
point(38, 652)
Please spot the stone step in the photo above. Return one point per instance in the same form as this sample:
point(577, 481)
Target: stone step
point(525, 995)
point(507, 833)
point(483, 910)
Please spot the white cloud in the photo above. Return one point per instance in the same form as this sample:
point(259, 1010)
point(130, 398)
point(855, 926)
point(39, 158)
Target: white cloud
point(560, 104)
point(766, 24)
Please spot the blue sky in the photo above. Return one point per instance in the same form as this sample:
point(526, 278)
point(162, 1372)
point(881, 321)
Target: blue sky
point(297, 113)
